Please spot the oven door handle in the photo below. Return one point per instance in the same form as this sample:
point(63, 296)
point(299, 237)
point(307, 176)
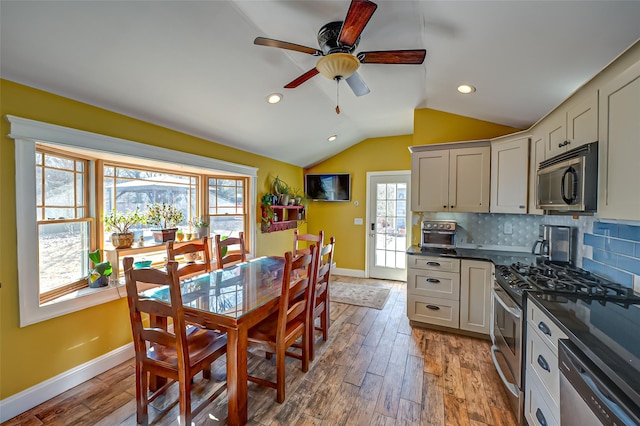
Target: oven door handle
point(512, 310)
point(511, 387)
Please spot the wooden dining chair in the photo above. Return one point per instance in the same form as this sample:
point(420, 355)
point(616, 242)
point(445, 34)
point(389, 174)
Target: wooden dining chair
point(321, 295)
point(201, 246)
point(281, 330)
point(230, 256)
point(316, 240)
point(177, 355)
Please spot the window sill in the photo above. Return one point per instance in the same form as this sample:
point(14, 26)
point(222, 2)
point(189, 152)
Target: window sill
point(88, 292)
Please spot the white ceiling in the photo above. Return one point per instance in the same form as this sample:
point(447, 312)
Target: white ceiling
point(192, 65)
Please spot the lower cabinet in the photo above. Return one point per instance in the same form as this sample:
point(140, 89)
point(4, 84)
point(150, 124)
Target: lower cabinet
point(450, 292)
point(542, 388)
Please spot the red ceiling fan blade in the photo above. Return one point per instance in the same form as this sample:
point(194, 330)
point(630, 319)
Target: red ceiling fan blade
point(360, 11)
point(304, 77)
point(393, 57)
point(262, 41)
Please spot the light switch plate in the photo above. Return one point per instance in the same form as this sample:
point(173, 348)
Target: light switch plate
point(357, 221)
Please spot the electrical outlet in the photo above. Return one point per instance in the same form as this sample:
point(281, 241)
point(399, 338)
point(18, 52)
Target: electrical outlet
point(508, 228)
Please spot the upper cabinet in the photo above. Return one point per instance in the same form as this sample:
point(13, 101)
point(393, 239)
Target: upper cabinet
point(455, 179)
point(575, 125)
point(509, 174)
point(619, 180)
point(536, 155)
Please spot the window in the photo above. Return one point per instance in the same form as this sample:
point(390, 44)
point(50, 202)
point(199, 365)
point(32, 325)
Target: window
point(227, 212)
point(64, 230)
point(126, 188)
point(57, 197)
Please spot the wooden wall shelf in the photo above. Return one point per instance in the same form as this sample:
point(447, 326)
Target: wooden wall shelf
point(287, 218)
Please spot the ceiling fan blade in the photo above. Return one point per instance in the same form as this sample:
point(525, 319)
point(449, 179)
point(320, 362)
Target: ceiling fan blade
point(357, 84)
point(262, 41)
point(393, 57)
point(304, 77)
point(360, 11)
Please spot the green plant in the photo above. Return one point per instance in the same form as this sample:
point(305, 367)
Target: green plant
point(164, 215)
point(267, 199)
point(100, 268)
point(281, 187)
point(120, 223)
point(197, 222)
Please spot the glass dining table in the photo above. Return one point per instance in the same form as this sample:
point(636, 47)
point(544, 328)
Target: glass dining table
point(232, 299)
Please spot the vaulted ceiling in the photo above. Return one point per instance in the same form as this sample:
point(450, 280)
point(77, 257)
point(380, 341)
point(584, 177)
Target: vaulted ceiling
point(192, 65)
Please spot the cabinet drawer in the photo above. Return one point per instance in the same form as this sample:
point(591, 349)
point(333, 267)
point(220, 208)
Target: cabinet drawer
point(442, 285)
point(432, 310)
point(546, 329)
point(434, 263)
point(542, 361)
point(536, 410)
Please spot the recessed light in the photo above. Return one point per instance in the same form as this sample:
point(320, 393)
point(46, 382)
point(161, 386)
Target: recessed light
point(332, 138)
point(466, 88)
point(274, 98)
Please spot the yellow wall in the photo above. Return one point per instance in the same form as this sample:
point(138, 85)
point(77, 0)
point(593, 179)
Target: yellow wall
point(38, 352)
point(383, 154)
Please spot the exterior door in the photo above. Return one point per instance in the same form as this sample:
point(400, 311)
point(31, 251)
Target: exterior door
point(389, 224)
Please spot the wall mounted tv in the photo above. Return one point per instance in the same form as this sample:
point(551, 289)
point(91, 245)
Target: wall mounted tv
point(328, 186)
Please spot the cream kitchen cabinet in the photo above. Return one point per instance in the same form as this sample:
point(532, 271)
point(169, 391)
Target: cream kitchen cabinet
point(509, 174)
point(575, 125)
point(536, 155)
point(449, 292)
point(433, 290)
point(619, 179)
point(455, 179)
point(542, 388)
point(476, 279)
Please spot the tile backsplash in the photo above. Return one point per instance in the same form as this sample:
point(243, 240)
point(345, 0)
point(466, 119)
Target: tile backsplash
point(610, 249)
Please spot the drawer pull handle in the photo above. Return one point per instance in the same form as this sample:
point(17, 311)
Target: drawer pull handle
point(543, 363)
point(433, 280)
point(541, 418)
point(544, 328)
point(433, 307)
point(433, 264)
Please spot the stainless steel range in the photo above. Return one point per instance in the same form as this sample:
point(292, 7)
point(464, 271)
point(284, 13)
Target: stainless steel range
point(560, 288)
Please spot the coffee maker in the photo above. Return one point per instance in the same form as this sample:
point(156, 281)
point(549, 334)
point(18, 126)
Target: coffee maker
point(555, 244)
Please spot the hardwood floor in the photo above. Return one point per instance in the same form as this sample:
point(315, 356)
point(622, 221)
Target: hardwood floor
point(375, 369)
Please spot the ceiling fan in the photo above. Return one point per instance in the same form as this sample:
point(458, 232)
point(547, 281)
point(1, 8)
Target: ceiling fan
point(337, 42)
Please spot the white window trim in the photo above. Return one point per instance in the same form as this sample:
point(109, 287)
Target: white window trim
point(26, 133)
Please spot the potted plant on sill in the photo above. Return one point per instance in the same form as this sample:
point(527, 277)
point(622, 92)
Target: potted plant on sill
point(200, 226)
point(120, 225)
point(99, 274)
point(167, 217)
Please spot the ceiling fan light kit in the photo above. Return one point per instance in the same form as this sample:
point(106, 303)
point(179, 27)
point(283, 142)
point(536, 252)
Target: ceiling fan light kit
point(338, 65)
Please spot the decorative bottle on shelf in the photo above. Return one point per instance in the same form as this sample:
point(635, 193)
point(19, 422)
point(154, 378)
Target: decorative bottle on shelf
point(275, 216)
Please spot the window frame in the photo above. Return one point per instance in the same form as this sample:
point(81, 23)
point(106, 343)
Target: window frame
point(245, 208)
point(26, 133)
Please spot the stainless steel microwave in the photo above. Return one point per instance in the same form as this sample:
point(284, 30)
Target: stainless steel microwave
point(569, 182)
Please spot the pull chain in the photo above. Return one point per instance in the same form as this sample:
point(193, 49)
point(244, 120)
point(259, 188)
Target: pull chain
point(337, 95)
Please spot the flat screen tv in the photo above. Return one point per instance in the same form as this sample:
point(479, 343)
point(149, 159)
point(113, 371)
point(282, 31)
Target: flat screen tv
point(328, 186)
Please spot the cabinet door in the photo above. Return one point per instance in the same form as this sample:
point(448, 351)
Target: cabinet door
point(475, 295)
point(430, 181)
point(536, 156)
point(582, 121)
point(619, 179)
point(509, 175)
point(556, 133)
point(469, 179)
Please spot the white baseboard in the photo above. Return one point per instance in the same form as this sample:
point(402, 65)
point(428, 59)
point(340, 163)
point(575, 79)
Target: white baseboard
point(357, 273)
point(35, 395)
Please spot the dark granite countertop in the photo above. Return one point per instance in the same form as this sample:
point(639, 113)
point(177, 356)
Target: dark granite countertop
point(498, 257)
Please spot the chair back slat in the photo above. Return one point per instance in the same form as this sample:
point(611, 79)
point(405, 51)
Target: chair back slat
point(239, 255)
point(309, 239)
point(200, 246)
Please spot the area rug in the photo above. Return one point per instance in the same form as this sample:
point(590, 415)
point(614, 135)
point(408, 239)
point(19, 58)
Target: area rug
point(359, 294)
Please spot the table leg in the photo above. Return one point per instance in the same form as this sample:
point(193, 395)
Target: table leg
point(237, 376)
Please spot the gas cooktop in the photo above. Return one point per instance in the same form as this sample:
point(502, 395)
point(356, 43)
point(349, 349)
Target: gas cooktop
point(561, 280)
